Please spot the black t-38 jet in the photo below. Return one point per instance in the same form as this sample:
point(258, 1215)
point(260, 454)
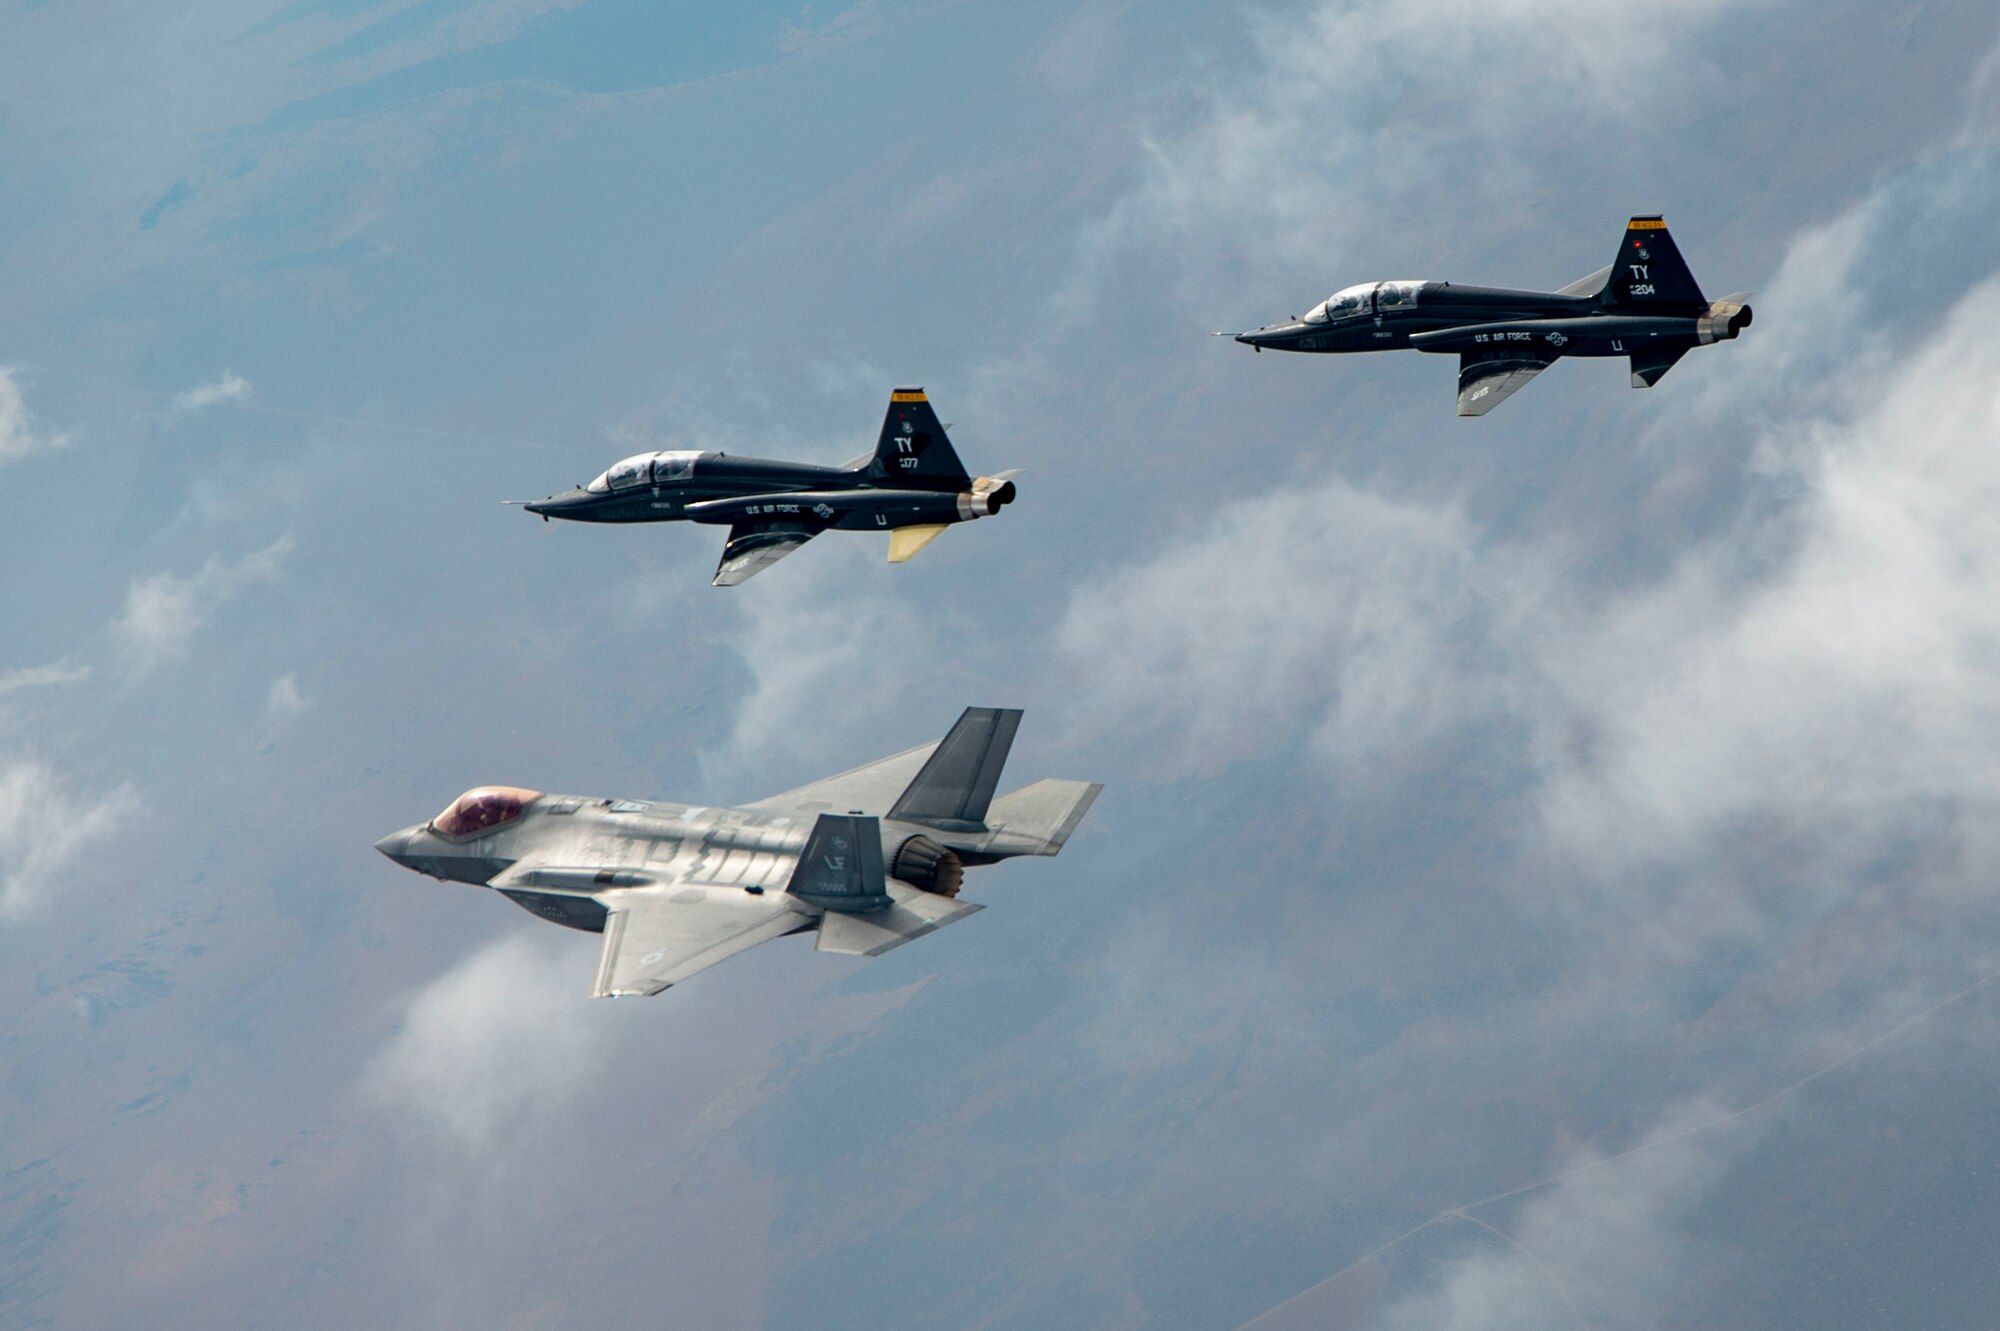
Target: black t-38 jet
point(1645, 306)
point(912, 486)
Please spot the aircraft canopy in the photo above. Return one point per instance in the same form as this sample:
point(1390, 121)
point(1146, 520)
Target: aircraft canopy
point(644, 469)
point(1347, 303)
point(482, 809)
point(1368, 298)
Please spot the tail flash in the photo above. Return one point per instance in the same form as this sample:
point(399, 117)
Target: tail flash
point(913, 451)
point(1649, 272)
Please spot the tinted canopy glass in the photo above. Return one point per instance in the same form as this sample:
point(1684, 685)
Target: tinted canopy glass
point(481, 810)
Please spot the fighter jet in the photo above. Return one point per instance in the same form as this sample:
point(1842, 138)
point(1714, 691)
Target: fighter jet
point(864, 861)
point(912, 486)
point(1645, 306)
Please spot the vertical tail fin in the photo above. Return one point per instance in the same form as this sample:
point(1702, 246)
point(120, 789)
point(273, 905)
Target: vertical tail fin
point(1649, 273)
point(841, 865)
point(913, 451)
point(956, 786)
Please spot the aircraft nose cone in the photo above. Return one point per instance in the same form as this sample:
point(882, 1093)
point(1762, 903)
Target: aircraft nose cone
point(396, 845)
point(1270, 335)
point(558, 504)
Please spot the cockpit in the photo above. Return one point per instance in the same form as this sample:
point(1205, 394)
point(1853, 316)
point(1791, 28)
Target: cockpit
point(1361, 301)
point(482, 809)
point(645, 469)
point(1348, 303)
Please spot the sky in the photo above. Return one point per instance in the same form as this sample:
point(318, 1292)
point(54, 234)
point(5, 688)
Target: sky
point(1546, 873)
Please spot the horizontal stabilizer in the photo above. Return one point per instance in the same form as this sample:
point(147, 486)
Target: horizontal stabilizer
point(1041, 816)
point(914, 914)
point(957, 782)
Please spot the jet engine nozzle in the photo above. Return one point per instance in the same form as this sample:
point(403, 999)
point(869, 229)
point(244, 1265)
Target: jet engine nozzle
point(988, 495)
point(1724, 320)
point(922, 862)
point(972, 504)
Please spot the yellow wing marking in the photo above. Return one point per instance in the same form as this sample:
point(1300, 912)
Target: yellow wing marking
point(906, 541)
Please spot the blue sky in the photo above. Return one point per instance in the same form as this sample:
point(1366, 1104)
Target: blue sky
point(1485, 799)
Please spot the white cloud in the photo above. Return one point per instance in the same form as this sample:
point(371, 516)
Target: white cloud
point(163, 612)
point(283, 703)
point(495, 1047)
point(1291, 165)
point(1602, 1247)
point(1321, 608)
point(1859, 677)
point(20, 433)
point(41, 676)
point(809, 638)
point(44, 827)
point(1688, 754)
point(1831, 656)
point(231, 387)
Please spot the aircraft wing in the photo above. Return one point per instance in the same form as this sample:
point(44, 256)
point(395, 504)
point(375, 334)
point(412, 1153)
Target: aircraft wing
point(1648, 367)
point(658, 936)
point(871, 787)
point(755, 546)
point(1487, 377)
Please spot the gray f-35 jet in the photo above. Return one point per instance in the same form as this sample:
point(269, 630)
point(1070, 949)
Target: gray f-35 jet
point(866, 860)
point(1645, 306)
point(912, 486)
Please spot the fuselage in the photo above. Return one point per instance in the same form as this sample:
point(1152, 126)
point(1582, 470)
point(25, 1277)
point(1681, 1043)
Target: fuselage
point(1445, 317)
point(558, 852)
point(613, 836)
point(659, 487)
